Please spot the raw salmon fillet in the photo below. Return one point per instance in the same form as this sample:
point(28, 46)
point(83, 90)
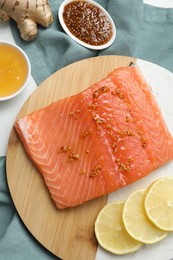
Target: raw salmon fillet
point(99, 140)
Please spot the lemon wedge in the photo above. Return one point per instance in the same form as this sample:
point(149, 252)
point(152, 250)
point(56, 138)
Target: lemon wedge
point(136, 221)
point(111, 233)
point(159, 203)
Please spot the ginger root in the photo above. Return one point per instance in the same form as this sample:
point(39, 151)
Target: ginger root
point(27, 15)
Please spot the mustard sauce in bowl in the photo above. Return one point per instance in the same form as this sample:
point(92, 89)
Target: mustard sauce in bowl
point(87, 23)
point(14, 70)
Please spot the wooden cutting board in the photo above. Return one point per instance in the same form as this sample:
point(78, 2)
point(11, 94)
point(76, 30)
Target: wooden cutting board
point(67, 233)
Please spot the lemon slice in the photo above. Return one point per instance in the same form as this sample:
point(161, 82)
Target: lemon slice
point(136, 221)
point(111, 233)
point(159, 203)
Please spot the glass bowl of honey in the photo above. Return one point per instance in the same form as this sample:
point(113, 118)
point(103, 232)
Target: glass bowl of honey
point(87, 23)
point(15, 70)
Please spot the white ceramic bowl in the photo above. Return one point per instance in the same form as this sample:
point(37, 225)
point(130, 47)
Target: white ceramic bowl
point(93, 47)
point(2, 98)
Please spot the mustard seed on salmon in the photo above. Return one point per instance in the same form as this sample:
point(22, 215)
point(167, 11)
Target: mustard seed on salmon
point(108, 136)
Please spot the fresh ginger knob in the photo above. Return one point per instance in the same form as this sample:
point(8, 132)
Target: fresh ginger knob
point(27, 15)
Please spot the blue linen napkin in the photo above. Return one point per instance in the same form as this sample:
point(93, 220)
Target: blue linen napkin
point(143, 31)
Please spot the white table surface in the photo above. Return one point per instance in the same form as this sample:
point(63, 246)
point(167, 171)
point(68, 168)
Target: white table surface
point(9, 109)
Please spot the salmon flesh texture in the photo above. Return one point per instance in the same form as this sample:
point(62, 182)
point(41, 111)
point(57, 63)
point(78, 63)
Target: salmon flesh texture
point(99, 140)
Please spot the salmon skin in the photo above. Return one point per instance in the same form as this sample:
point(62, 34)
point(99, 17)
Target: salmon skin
point(95, 142)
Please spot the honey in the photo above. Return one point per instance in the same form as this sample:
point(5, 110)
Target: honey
point(13, 70)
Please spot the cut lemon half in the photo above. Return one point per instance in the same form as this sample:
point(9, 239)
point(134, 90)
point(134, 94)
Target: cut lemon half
point(136, 221)
point(111, 233)
point(159, 203)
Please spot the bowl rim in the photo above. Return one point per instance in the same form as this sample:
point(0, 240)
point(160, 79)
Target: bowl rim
point(93, 47)
point(14, 45)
